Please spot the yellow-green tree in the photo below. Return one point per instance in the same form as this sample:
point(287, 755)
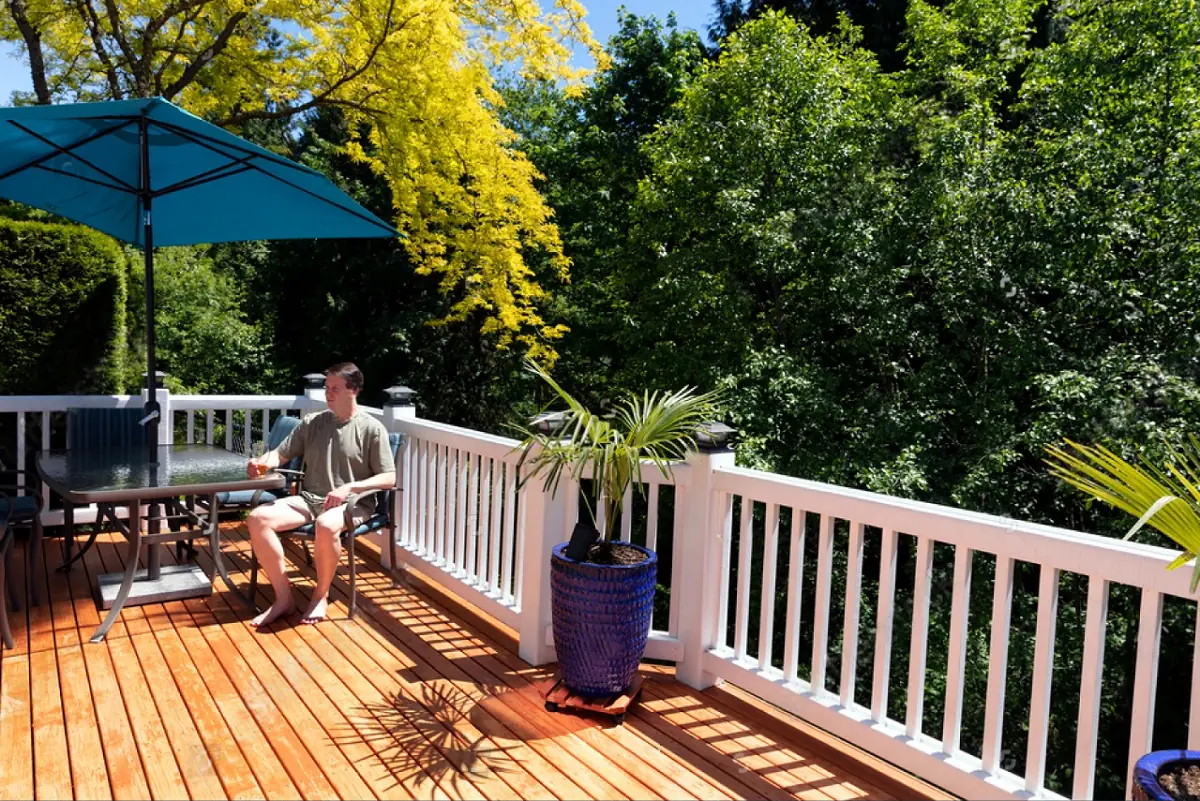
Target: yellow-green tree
point(414, 76)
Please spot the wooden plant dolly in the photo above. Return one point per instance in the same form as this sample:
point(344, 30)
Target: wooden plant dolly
point(614, 706)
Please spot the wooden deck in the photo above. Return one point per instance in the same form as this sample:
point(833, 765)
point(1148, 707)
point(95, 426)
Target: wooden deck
point(413, 699)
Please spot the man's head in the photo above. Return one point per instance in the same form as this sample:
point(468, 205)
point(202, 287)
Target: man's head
point(343, 382)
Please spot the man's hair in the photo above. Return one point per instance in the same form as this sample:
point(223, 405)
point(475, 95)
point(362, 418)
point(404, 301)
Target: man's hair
point(350, 372)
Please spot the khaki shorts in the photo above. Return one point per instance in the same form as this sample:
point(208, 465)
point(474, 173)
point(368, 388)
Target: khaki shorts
point(311, 506)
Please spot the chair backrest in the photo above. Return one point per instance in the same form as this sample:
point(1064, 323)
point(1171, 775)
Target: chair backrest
point(284, 424)
point(105, 428)
point(384, 507)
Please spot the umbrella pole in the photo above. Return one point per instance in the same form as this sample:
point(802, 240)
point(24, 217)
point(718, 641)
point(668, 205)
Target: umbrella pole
point(151, 408)
point(152, 411)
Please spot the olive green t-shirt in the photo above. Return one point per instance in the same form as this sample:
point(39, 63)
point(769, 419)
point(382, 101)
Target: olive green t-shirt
point(337, 453)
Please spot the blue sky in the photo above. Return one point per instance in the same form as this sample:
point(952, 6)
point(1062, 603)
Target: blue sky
point(602, 16)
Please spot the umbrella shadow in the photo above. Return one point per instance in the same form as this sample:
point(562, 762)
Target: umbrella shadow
point(424, 740)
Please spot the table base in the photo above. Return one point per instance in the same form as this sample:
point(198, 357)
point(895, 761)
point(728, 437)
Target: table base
point(176, 582)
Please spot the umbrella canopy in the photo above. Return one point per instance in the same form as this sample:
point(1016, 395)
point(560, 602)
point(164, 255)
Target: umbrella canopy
point(151, 174)
point(84, 161)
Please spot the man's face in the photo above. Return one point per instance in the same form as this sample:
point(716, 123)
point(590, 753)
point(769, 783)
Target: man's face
point(337, 394)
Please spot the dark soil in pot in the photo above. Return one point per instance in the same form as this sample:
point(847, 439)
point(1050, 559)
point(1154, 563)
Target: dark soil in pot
point(614, 553)
point(1181, 780)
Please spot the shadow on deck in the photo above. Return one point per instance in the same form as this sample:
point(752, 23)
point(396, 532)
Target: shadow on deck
point(415, 698)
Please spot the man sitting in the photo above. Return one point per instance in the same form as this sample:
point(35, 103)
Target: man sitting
point(345, 452)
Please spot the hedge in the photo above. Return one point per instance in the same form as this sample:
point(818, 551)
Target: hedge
point(62, 310)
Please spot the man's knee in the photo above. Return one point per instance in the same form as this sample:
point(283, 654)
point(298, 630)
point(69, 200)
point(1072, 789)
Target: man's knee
point(328, 530)
point(259, 520)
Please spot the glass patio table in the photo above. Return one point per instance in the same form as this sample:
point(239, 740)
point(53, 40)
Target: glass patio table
point(126, 476)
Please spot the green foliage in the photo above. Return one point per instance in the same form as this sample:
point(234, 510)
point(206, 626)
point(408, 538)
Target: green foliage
point(656, 427)
point(62, 310)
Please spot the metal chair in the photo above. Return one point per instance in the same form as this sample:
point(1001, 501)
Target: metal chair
point(21, 512)
point(381, 519)
point(6, 537)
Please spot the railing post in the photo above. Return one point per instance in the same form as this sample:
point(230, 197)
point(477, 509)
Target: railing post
point(398, 407)
point(166, 420)
point(699, 595)
point(314, 391)
point(545, 526)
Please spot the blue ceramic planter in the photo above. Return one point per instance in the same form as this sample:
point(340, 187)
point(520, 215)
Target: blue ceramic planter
point(1145, 773)
point(601, 620)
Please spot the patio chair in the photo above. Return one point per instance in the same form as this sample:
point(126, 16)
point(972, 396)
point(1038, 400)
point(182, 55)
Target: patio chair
point(21, 512)
point(6, 537)
point(95, 429)
point(382, 519)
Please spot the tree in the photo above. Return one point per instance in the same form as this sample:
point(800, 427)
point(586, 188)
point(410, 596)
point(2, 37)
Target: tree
point(413, 78)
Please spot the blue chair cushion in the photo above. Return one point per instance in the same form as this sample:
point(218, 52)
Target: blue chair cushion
point(244, 497)
point(373, 523)
point(24, 507)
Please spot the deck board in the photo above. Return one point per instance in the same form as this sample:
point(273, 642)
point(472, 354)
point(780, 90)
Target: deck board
point(407, 701)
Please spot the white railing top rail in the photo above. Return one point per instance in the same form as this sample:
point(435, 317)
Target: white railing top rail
point(183, 403)
point(1108, 558)
point(60, 403)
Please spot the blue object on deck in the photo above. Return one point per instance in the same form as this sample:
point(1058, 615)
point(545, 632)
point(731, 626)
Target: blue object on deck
point(83, 161)
point(149, 173)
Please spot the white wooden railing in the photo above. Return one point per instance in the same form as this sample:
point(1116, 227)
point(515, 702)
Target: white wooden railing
point(465, 520)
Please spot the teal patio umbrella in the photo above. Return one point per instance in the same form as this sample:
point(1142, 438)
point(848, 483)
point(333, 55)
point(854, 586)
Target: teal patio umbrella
point(151, 174)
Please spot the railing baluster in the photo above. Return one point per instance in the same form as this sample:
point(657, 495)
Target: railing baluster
point(652, 515)
point(678, 543)
point(920, 631)
point(725, 504)
point(820, 654)
point(1145, 679)
point(248, 442)
point(1194, 718)
point(266, 427)
point(497, 527)
point(211, 424)
point(745, 549)
point(518, 543)
point(444, 516)
point(229, 429)
point(191, 426)
point(45, 447)
point(993, 711)
point(627, 514)
point(766, 622)
point(883, 626)
point(21, 465)
point(408, 486)
point(510, 521)
point(960, 613)
point(848, 678)
point(791, 637)
point(483, 574)
point(1043, 672)
point(423, 510)
point(473, 517)
point(456, 552)
point(1095, 631)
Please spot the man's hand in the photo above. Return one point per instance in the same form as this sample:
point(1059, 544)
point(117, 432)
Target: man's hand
point(337, 497)
point(257, 467)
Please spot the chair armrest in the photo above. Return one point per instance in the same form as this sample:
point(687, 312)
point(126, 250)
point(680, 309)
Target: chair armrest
point(14, 487)
point(286, 472)
point(353, 500)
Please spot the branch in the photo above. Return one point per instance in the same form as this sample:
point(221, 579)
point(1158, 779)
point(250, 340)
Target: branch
point(206, 55)
point(33, 43)
point(174, 50)
point(114, 19)
point(93, 25)
point(154, 25)
point(326, 98)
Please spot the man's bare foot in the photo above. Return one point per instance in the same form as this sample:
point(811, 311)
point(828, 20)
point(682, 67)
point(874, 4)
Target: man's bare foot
point(277, 610)
point(315, 613)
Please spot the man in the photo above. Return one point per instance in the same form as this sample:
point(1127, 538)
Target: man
point(346, 451)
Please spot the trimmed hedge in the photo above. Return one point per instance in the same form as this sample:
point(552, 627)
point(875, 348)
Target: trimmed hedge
point(62, 310)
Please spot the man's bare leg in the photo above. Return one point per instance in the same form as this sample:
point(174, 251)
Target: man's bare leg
point(327, 550)
point(263, 522)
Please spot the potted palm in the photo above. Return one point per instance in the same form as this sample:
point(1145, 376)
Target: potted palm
point(602, 590)
point(1166, 499)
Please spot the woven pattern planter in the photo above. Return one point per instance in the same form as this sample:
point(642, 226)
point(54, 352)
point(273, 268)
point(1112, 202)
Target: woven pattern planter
point(1146, 770)
point(601, 620)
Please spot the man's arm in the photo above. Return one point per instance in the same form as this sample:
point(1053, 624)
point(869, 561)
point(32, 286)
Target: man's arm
point(270, 459)
point(381, 481)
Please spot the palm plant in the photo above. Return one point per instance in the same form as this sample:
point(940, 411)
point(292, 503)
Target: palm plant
point(1167, 500)
point(656, 427)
